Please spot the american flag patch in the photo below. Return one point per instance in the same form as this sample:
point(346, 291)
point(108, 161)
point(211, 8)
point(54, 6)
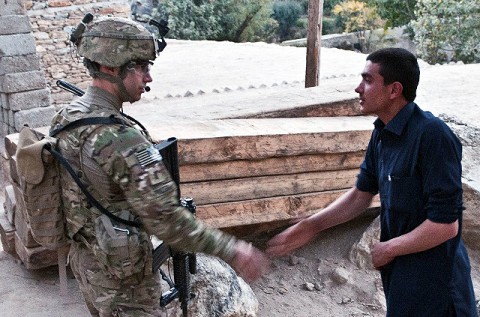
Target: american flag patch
point(148, 156)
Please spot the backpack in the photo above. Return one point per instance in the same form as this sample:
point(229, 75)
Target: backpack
point(38, 167)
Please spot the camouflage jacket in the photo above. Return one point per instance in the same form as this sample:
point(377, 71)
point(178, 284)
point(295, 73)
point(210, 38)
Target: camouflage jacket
point(106, 158)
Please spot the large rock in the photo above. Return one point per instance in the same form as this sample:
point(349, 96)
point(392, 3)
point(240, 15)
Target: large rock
point(360, 253)
point(219, 292)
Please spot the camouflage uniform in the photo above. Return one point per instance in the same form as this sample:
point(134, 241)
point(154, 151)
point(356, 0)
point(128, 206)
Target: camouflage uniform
point(116, 279)
point(125, 173)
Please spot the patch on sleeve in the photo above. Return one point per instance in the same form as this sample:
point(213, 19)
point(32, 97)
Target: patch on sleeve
point(148, 156)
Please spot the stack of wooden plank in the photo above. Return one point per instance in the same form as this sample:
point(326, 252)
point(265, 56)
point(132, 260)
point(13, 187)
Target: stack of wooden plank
point(263, 173)
point(257, 173)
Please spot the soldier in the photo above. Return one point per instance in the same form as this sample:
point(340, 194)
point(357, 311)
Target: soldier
point(115, 275)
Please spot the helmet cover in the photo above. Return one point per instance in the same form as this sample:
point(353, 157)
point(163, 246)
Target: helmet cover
point(114, 41)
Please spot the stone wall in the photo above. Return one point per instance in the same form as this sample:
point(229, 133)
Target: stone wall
point(52, 21)
point(24, 95)
point(35, 53)
point(23, 89)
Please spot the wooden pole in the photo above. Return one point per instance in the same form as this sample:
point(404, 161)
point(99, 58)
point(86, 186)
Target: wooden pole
point(314, 43)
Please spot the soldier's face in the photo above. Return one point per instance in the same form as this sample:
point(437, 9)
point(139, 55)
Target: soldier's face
point(136, 80)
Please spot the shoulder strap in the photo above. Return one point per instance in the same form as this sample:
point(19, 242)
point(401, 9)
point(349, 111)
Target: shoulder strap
point(68, 167)
point(88, 121)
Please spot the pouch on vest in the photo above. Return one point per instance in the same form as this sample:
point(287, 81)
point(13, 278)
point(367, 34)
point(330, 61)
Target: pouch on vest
point(122, 249)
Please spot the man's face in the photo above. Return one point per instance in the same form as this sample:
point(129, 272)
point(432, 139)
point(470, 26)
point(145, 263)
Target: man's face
point(373, 93)
point(137, 78)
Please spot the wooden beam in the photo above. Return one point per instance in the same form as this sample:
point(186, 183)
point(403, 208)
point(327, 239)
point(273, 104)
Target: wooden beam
point(276, 209)
point(260, 147)
point(212, 192)
point(35, 258)
point(344, 108)
point(207, 141)
point(314, 39)
point(270, 166)
point(7, 234)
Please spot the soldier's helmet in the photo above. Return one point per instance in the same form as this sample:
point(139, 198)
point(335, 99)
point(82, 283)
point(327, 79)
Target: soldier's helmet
point(114, 41)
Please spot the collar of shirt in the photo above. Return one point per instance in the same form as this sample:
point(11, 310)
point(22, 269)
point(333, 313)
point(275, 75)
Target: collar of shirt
point(100, 98)
point(398, 123)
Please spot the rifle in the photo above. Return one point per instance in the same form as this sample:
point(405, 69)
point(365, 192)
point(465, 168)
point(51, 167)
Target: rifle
point(184, 263)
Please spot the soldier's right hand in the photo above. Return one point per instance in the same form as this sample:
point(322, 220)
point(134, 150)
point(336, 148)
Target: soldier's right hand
point(249, 262)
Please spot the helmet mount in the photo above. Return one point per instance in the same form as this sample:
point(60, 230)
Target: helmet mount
point(162, 31)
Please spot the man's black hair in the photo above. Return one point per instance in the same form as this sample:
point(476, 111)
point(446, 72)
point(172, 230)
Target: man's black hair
point(398, 64)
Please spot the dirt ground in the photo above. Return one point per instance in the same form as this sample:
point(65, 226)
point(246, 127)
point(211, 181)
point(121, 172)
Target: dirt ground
point(317, 280)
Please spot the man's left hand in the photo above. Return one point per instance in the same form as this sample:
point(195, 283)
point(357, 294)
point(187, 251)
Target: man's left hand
point(381, 255)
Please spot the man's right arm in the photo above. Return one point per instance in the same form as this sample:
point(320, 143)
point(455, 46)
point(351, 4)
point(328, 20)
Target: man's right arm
point(133, 164)
point(346, 207)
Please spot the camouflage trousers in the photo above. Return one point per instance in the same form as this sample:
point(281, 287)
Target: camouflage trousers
point(106, 295)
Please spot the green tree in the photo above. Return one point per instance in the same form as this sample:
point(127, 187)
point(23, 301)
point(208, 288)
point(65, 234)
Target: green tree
point(328, 6)
point(395, 12)
point(330, 23)
point(232, 20)
point(359, 18)
point(188, 20)
point(286, 13)
point(447, 30)
point(251, 21)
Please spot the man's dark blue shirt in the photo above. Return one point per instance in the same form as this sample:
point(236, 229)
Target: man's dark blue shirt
point(414, 163)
